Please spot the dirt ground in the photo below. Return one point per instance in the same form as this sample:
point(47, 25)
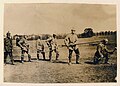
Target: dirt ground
point(59, 71)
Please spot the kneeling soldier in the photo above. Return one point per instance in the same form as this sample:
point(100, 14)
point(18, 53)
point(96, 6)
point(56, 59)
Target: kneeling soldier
point(102, 52)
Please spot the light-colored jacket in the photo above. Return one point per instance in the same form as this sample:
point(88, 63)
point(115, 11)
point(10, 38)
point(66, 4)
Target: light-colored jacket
point(52, 43)
point(71, 41)
point(39, 44)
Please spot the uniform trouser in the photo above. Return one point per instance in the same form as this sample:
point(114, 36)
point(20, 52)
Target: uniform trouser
point(22, 55)
point(42, 52)
point(97, 57)
point(10, 55)
point(50, 53)
point(77, 54)
point(106, 57)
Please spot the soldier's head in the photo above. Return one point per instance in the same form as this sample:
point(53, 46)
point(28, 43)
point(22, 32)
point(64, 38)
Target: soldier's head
point(54, 35)
point(105, 41)
point(73, 31)
point(25, 37)
point(8, 34)
point(39, 37)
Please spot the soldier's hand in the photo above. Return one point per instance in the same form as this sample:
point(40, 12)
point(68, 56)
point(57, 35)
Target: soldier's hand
point(71, 44)
point(102, 56)
point(115, 48)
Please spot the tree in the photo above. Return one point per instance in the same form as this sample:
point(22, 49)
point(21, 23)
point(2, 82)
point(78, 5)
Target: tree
point(88, 32)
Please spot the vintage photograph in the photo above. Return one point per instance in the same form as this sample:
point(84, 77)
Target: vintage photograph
point(60, 43)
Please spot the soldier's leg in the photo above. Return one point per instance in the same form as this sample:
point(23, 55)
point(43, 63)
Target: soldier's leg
point(43, 53)
point(57, 54)
point(70, 55)
point(5, 57)
point(106, 58)
point(50, 54)
point(38, 54)
point(77, 55)
point(96, 57)
point(22, 56)
point(29, 57)
point(11, 58)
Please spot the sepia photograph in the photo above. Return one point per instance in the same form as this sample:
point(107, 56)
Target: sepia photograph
point(60, 43)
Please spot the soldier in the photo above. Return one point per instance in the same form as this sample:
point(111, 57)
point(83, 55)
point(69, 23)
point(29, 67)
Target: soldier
point(17, 40)
point(52, 44)
point(24, 48)
point(8, 48)
point(102, 52)
point(40, 48)
point(70, 41)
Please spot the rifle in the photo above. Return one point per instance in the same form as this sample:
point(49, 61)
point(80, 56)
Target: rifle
point(89, 43)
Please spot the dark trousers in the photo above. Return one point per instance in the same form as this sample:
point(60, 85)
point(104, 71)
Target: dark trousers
point(106, 58)
point(42, 52)
point(98, 58)
point(50, 53)
point(10, 55)
point(22, 55)
point(76, 52)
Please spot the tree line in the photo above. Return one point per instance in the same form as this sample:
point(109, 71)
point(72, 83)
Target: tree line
point(88, 32)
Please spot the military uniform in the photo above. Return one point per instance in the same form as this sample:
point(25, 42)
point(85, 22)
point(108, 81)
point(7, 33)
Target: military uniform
point(24, 49)
point(70, 42)
point(52, 45)
point(8, 48)
point(40, 49)
point(102, 53)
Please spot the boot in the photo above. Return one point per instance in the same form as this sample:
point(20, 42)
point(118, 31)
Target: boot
point(37, 56)
point(29, 58)
point(77, 59)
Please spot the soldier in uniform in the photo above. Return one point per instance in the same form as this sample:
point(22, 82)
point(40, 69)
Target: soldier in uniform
point(17, 40)
point(52, 45)
point(24, 48)
point(70, 41)
point(40, 48)
point(8, 48)
point(102, 52)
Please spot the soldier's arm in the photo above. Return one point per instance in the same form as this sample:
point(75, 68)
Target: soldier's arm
point(20, 44)
point(99, 49)
point(109, 51)
point(66, 40)
point(48, 40)
point(76, 40)
point(11, 42)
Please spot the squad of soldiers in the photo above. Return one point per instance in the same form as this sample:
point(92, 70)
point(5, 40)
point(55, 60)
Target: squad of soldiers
point(70, 41)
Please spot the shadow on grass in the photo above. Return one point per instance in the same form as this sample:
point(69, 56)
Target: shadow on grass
point(55, 61)
point(89, 62)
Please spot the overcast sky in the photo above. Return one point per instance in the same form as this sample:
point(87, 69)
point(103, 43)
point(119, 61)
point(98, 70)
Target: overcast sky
point(58, 18)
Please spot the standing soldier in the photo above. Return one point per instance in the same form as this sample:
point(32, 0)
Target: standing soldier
point(17, 40)
point(8, 48)
point(102, 52)
point(52, 44)
point(40, 48)
point(70, 41)
point(24, 48)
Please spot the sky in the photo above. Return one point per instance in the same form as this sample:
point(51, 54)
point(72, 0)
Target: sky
point(49, 18)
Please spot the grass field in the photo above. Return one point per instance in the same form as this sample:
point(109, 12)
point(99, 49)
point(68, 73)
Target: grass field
point(59, 71)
